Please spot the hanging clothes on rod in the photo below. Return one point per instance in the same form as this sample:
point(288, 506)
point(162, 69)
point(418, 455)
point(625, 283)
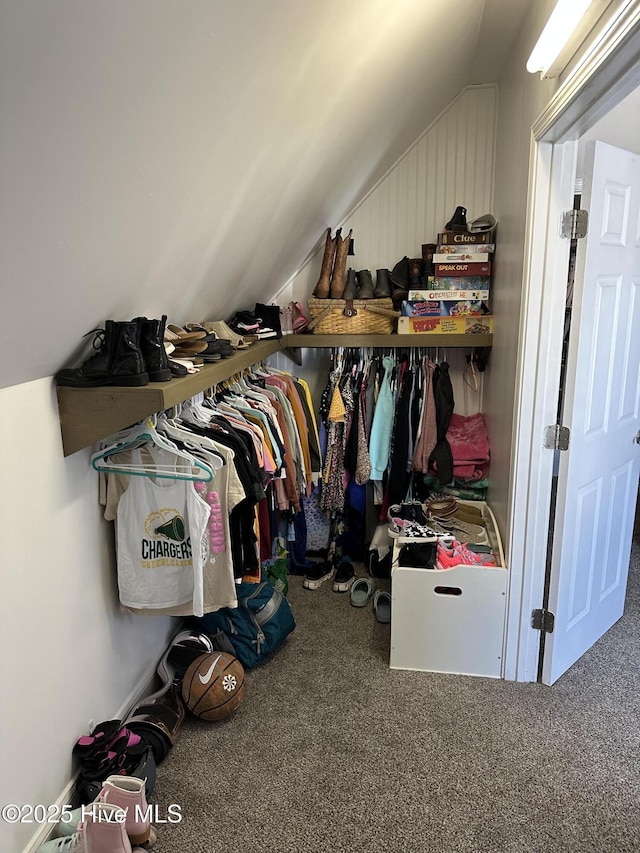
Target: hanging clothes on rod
point(392, 409)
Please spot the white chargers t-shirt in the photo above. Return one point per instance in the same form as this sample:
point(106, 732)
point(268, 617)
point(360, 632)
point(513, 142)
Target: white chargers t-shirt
point(161, 542)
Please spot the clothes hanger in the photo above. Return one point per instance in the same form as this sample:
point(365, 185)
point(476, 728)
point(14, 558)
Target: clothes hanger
point(196, 470)
point(176, 429)
point(469, 374)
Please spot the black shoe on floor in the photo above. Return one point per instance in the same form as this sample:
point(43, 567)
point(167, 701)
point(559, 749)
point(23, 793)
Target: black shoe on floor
point(318, 574)
point(345, 576)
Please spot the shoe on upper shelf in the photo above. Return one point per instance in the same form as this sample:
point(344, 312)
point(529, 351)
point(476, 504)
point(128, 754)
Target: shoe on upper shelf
point(224, 332)
point(247, 323)
point(178, 334)
point(118, 359)
point(458, 221)
point(299, 321)
point(268, 317)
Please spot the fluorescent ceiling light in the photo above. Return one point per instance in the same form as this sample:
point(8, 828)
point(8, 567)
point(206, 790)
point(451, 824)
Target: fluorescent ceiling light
point(560, 27)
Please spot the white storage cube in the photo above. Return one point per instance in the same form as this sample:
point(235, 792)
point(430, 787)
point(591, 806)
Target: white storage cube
point(450, 620)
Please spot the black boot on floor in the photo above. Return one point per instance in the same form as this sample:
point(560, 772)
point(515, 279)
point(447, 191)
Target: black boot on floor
point(118, 360)
point(152, 348)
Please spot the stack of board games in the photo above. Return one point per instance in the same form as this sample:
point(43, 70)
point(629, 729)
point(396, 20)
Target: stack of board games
point(459, 290)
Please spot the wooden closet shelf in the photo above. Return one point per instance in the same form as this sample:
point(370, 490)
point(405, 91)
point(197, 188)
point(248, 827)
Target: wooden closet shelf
point(88, 415)
point(392, 340)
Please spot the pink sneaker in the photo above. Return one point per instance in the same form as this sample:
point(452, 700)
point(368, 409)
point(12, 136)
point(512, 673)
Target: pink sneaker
point(102, 831)
point(461, 556)
point(127, 793)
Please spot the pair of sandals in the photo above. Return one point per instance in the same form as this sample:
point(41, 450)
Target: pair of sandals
point(361, 593)
point(225, 332)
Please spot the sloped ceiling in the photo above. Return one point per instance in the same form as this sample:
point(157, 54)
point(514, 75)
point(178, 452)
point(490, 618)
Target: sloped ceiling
point(185, 157)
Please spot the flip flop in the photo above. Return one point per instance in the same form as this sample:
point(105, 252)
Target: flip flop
point(175, 333)
point(361, 592)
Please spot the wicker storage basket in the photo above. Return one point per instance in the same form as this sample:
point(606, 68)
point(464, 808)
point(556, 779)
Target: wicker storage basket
point(355, 317)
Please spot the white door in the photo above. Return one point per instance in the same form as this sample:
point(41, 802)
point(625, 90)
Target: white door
point(598, 475)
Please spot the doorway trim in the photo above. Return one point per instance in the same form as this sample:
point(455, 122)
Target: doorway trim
point(606, 72)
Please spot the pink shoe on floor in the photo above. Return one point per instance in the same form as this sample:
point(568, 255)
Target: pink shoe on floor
point(102, 831)
point(127, 793)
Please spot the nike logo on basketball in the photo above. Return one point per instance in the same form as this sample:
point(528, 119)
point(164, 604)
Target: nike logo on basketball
point(204, 678)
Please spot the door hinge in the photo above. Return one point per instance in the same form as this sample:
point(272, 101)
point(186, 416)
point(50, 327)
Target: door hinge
point(575, 224)
point(543, 620)
point(556, 437)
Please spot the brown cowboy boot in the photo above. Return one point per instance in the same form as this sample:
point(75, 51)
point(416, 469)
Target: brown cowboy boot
point(340, 266)
point(321, 290)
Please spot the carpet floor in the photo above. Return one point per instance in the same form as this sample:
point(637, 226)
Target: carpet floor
point(333, 751)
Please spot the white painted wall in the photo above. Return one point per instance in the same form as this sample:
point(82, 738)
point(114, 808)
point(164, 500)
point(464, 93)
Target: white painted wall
point(68, 654)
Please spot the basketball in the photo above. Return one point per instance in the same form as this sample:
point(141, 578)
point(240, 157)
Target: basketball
point(213, 686)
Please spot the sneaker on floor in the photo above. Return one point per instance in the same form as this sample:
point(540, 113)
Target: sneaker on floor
point(318, 574)
point(345, 576)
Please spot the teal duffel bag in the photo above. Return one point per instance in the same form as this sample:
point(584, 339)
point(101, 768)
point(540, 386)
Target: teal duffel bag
point(255, 628)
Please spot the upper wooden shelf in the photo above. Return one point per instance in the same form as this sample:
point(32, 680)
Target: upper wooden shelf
point(425, 339)
point(88, 415)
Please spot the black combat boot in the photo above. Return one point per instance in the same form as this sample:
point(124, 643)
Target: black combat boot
point(127, 363)
point(152, 348)
point(95, 370)
point(118, 360)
